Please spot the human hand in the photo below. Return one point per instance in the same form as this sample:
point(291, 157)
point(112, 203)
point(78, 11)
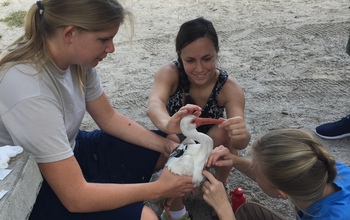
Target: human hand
point(235, 127)
point(173, 125)
point(173, 185)
point(220, 157)
point(215, 195)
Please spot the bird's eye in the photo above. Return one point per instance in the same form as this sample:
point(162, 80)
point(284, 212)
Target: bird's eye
point(193, 121)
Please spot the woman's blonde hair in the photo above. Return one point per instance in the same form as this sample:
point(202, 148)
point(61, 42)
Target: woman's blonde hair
point(295, 162)
point(46, 16)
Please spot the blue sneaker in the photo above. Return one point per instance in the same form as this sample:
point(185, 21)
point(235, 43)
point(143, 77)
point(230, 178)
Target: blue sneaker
point(335, 130)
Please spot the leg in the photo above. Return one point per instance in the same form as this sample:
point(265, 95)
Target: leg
point(103, 159)
point(175, 210)
point(106, 159)
point(48, 206)
point(173, 204)
point(148, 214)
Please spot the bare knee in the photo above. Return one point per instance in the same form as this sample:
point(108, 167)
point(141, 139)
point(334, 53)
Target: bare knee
point(162, 159)
point(223, 139)
point(173, 137)
point(148, 214)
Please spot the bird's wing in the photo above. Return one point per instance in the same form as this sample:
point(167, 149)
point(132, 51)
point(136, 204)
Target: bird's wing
point(183, 165)
point(178, 151)
point(199, 160)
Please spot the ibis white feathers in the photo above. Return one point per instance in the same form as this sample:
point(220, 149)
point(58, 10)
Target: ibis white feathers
point(190, 157)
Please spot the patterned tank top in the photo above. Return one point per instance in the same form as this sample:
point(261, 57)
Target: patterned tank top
point(211, 108)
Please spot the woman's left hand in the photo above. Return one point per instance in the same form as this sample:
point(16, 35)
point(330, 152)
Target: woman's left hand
point(215, 195)
point(213, 190)
point(220, 157)
point(236, 128)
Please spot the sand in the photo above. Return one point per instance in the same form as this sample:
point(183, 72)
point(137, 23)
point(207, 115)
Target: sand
point(289, 57)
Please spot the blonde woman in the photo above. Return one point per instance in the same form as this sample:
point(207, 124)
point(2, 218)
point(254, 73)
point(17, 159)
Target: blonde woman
point(48, 81)
point(287, 164)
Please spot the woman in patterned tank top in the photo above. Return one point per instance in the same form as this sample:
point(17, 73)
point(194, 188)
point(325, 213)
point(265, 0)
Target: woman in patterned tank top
point(194, 85)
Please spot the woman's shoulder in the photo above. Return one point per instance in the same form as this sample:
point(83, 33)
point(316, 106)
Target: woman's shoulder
point(15, 68)
point(170, 66)
point(225, 76)
point(19, 82)
point(223, 73)
point(229, 87)
point(229, 82)
point(343, 178)
point(342, 167)
point(343, 171)
point(19, 76)
point(168, 70)
point(337, 204)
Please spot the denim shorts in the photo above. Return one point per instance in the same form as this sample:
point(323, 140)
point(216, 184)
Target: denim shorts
point(103, 159)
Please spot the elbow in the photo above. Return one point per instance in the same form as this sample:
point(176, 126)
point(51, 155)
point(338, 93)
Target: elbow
point(249, 137)
point(240, 144)
point(73, 209)
point(244, 144)
point(242, 147)
point(148, 111)
point(74, 206)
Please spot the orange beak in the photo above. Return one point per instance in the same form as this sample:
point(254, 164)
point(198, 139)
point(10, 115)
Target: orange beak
point(208, 121)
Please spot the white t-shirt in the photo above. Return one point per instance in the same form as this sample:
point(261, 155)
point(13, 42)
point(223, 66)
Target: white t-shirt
point(42, 111)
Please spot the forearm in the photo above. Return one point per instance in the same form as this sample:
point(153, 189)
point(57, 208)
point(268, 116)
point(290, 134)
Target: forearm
point(159, 116)
point(243, 165)
point(224, 212)
point(214, 194)
point(77, 195)
point(130, 131)
point(102, 197)
point(122, 127)
point(240, 144)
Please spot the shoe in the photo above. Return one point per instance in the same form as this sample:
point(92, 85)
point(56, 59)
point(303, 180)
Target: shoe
point(186, 216)
point(334, 130)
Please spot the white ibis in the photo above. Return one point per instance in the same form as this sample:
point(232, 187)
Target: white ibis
point(189, 157)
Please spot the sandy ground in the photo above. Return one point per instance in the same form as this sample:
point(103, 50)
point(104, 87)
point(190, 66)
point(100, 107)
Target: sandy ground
point(289, 57)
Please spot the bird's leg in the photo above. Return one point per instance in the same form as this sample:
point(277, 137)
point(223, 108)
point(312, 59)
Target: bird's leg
point(167, 204)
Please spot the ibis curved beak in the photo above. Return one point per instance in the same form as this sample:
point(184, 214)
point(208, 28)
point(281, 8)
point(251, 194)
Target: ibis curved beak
point(208, 121)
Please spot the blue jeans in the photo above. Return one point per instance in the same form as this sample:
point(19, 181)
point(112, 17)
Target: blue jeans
point(103, 159)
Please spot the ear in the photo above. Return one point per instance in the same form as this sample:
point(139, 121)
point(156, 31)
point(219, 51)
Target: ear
point(69, 33)
point(282, 195)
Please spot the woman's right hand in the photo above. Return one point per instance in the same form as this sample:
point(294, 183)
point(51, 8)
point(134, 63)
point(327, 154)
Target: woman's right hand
point(174, 185)
point(173, 125)
point(220, 157)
